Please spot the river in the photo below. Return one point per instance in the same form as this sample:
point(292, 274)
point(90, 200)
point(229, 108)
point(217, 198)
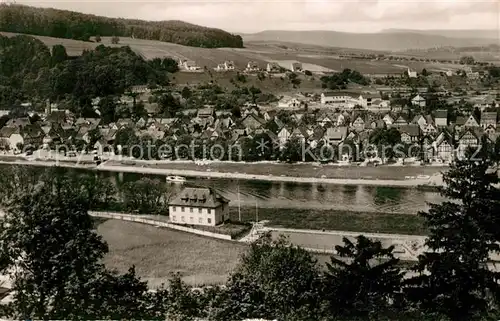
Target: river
point(267, 194)
point(306, 195)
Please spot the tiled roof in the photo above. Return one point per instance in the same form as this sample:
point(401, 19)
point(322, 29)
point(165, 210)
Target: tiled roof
point(461, 120)
point(441, 113)
point(18, 122)
point(198, 197)
point(491, 116)
point(412, 130)
point(6, 132)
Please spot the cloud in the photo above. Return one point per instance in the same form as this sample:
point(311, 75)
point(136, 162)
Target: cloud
point(256, 15)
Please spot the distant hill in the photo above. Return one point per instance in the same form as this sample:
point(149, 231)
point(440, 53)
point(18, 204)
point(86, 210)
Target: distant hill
point(74, 25)
point(465, 33)
point(393, 41)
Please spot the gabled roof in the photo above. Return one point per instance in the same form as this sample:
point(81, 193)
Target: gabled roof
point(258, 119)
point(124, 122)
point(417, 118)
point(477, 132)
point(473, 118)
point(370, 96)
point(388, 116)
point(337, 133)
point(198, 197)
point(272, 135)
point(461, 120)
point(379, 123)
point(412, 130)
point(359, 119)
point(300, 131)
point(429, 119)
point(444, 136)
point(418, 98)
point(58, 116)
point(32, 131)
point(489, 116)
point(6, 132)
point(401, 120)
point(18, 122)
point(318, 133)
point(287, 128)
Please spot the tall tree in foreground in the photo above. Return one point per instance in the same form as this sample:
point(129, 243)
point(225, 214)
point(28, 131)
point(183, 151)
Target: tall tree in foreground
point(364, 281)
point(454, 278)
point(49, 249)
point(275, 280)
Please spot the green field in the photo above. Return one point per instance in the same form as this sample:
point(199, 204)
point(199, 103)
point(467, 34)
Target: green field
point(315, 219)
point(156, 253)
point(313, 57)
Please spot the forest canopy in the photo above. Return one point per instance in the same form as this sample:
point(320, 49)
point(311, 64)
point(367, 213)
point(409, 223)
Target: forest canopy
point(29, 70)
point(74, 25)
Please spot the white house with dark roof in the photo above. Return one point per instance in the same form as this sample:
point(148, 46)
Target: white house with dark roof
point(289, 103)
point(11, 136)
point(366, 100)
point(273, 67)
point(412, 73)
point(296, 67)
point(339, 100)
point(226, 66)
point(441, 118)
point(418, 101)
point(199, 206)
point(252, 66)
point(188, 65)
point(489, 119)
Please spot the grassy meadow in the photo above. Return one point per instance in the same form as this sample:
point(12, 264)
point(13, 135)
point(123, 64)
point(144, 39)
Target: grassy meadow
point(157, 252)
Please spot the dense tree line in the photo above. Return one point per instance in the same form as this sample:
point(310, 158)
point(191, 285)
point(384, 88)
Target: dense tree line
point(30, 71)
point(340, 80)
point(47, 238)
point(143, 196)
point(75, 25)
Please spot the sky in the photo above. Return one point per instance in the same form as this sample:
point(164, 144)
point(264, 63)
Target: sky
point(256, 15)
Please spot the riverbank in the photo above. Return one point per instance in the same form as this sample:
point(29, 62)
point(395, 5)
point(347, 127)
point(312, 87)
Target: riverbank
point(208, 173)
point(389, 175)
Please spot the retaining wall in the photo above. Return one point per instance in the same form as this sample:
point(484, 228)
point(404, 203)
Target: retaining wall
point(139, 219)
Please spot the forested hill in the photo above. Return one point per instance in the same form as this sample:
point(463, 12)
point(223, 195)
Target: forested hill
point(30, 71)
point(79, 26)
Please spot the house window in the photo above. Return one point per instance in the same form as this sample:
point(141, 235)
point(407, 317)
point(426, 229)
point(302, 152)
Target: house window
point(182, 209)
point(209, 220)
point(174, 209)
point(199, 210)
point(200, 220)
point(182, 218)
point(191, 209)
point(173, 218)
point(191, 219)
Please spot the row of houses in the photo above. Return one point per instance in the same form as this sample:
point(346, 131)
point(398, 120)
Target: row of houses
point(252, 66)
point(444, 140)
point(209, 124)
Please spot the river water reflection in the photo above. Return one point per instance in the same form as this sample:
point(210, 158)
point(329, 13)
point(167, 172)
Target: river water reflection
point(303, 195)
point(306, 195)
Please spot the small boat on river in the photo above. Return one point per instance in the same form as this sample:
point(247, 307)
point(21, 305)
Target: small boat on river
point(176, 179)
